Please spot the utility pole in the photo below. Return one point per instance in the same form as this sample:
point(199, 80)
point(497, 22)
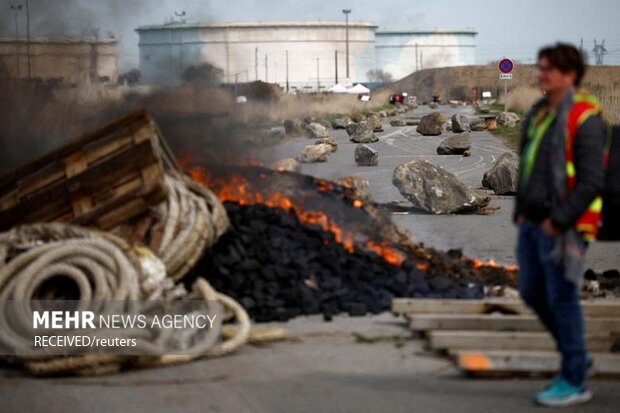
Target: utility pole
point(266, 68)
point(346, 14)
point(287, 84)
point(180, 14)
point(581, 45)
point(421, 61)
point(416, 57)
point(28, 38)
point(336, 53)
point(16, 9)
point(256, 64)
point(599, 52)
point(318, 81)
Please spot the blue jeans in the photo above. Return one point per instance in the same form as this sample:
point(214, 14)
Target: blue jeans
point(554, 299)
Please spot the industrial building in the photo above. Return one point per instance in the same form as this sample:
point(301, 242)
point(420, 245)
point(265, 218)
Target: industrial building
point(305, 56)
point(66, 61)
point(403, 52)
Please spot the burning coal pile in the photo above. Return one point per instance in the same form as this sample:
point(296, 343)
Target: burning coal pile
point(299, 245)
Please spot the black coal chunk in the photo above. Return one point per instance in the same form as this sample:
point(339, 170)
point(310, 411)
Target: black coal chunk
point(279, 268)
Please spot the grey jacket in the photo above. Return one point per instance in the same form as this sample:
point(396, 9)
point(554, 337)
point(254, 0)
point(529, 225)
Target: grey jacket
point(537, 200)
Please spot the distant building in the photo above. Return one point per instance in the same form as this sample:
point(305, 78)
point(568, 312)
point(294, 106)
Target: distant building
point(316, 51)
point(258, 51)
point(67, 61)
point(403, 52)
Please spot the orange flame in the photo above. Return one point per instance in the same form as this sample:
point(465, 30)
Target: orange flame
point(235, 189)
point(477, 263)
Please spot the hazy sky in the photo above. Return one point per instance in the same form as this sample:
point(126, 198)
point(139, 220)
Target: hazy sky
point(515, 28)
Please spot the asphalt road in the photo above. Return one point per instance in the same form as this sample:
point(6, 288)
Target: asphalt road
point(483, 236)
point(325, 369)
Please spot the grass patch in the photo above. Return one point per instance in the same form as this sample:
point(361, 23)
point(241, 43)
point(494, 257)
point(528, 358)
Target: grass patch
point(509, 135)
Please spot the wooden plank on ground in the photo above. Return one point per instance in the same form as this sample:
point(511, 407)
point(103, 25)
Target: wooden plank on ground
point(493, 322)
point(501, 322)
point(506, 340)
point(531, 362)
point(591, 308)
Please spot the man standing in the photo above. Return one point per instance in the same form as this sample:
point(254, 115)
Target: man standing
point(558, 210)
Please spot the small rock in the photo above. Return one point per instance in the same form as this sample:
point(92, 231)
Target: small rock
point(431, 124)
point(460, 123)
point(315, 153)
point(366, 156)
point(467, 153)
point(484, 109)
point(491, 123)
point(477, 124)
point(341, 123)
point(374, 123)
point(413, 122)
point(358, 185)
point(293, 127)
point(317, 131)
point(454, 145)
point(361, 133)
point(433, 105)
point(391, 113)
point(503, 176)
point(328, 141)
point(383, 114)
point(358, 117)
point(290, 165)
point(509, 119)
point(432, 189)
point(398, 122)
point(277, 132)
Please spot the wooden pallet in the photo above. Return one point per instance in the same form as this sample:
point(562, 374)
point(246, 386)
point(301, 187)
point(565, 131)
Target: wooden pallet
point(103, 178)
point(502, 337)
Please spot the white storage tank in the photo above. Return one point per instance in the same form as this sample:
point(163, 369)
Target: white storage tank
point(258, 51)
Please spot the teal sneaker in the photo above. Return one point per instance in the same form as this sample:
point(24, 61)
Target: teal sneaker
point(590, 371)
point(562, 393)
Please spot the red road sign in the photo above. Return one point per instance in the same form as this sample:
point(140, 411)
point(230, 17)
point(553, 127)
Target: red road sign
point(506, 65)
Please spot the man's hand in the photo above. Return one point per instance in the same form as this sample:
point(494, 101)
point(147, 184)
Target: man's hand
point(549, 229)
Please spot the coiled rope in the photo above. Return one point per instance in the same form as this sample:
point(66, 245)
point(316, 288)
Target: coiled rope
point(34, 259)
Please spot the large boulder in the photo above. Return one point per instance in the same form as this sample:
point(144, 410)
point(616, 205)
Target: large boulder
point(315, 153)
point(454, 145)
point(289, 164)
point(374, 123)
point(509, 119)
point(366, 156)
point(328, 141)
point(293, 127)
point(317, 131)
point(398, 122)
point(460, 123)
point(431, 124)
point(341, 123)
point(361, 133)
point(432, 189)
point(358, 185)
point(503, 176)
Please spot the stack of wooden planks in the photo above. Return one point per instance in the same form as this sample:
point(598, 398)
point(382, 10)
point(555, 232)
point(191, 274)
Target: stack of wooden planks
point(101, 179)
point(503, 337)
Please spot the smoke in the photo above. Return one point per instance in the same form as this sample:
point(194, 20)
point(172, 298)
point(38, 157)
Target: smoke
point(70, 18)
